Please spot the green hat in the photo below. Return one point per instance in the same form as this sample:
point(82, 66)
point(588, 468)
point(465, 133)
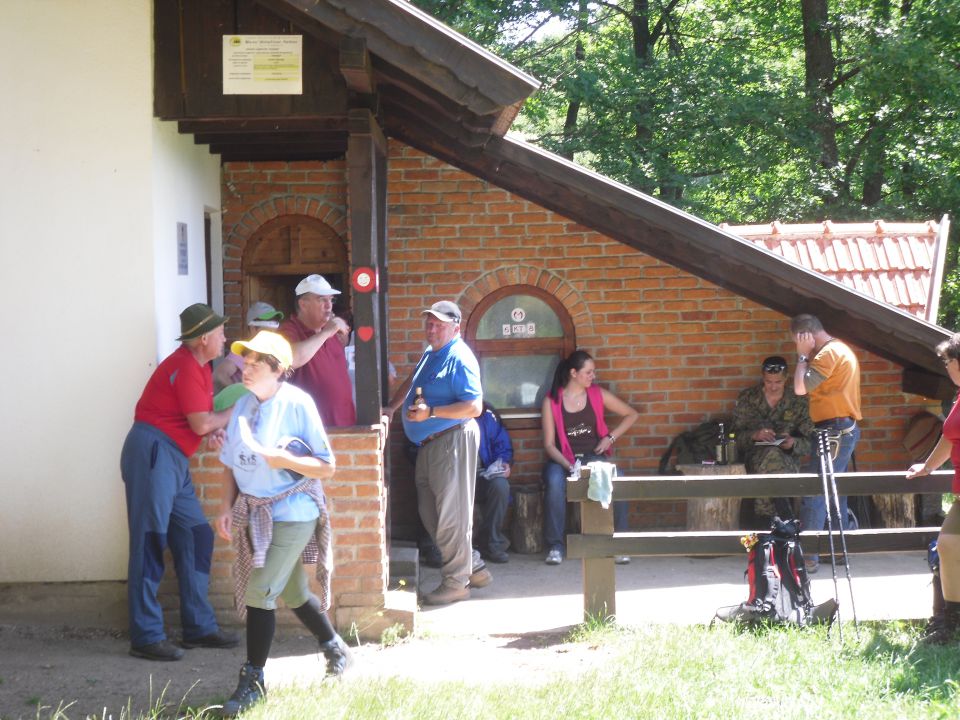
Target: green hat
point(197, 320)
point(228, 396)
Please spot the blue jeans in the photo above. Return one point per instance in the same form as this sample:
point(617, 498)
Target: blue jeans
point(492, 497)
point(813, 509)
point(163, 510)
point(555, 506)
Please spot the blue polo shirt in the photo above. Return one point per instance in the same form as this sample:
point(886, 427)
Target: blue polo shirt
point(448, 375)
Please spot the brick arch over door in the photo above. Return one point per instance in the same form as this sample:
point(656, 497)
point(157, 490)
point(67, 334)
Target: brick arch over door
point(268, 251)
point(549, 282)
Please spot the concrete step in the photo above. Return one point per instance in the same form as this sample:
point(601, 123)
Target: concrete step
point(404, 565)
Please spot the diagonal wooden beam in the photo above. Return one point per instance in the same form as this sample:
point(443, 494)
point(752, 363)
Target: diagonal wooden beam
point(356, 67)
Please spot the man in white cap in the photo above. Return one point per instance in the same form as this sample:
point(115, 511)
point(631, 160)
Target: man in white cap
point(447, 436)
point(320, 364)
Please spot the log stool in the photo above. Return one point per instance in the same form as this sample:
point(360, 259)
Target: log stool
point(526, 532)
point(713, 513)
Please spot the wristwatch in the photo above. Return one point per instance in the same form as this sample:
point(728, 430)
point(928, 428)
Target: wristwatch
point(612, 437)
point(803, 358)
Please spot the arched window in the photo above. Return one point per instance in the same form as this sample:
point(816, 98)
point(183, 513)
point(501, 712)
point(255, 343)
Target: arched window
point(519, 333)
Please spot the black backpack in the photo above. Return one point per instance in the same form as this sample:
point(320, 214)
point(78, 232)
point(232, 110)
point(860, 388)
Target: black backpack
point(692, 447)
point(779, 585)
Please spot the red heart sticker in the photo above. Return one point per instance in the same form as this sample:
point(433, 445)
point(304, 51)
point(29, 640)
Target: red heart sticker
point(365, 333)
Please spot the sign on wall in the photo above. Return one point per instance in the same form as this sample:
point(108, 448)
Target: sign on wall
point(263, 64)
point(183, 250)
point(519, 328)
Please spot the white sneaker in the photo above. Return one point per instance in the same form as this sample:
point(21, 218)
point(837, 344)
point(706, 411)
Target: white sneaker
point(622, 560)
point(554, 557)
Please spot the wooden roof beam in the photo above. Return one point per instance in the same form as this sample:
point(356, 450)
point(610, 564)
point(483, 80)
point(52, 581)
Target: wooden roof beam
point(356, 67)
point(404, 36)
point(333, 140)
point(244, 125)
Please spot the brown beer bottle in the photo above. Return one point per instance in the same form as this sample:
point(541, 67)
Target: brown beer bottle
point(419, 402)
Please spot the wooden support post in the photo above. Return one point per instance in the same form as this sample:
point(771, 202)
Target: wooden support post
point(599, 578)
point(366, 174)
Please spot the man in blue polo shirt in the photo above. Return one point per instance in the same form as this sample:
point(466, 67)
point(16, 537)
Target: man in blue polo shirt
point(444, 430)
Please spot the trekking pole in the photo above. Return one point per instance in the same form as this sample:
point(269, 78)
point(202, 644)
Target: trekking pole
point(823, 449)
point(843, 537)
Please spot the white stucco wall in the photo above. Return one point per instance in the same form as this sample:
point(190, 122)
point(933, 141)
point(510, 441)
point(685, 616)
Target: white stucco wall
point(91, 188)
point(186, 183)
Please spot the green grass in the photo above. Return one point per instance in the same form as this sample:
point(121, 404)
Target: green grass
point(666, 672)
point(680, 672)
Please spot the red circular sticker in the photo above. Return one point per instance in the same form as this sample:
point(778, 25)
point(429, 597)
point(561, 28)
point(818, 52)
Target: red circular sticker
point(364, 279)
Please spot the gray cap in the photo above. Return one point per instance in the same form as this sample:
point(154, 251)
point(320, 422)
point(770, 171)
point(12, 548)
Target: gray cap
point(444, 311)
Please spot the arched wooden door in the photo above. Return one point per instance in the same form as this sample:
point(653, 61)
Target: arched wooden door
point(285, 250)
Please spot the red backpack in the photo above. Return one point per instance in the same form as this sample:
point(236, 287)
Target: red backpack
point(778, 582)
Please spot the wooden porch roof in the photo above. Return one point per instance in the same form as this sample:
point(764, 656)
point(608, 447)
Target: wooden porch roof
point(443, 94)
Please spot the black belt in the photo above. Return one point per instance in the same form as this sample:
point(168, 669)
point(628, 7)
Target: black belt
point(431, 438)
point(833, 421)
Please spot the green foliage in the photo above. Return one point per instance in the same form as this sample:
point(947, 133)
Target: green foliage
point(393, 635)
point(703, 103)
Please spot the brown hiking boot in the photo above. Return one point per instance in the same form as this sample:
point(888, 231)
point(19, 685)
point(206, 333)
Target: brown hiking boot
point(445, 594)
point(480, 578)
point(164, 650)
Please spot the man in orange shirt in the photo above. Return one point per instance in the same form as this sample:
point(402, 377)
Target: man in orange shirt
point(828, 372)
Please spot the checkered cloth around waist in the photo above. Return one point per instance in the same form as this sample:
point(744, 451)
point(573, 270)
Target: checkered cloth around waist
point(256, 515)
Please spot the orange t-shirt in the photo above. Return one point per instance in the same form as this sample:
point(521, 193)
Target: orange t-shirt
point(839, 394)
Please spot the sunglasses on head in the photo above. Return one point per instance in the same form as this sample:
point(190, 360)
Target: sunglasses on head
point(774, 367)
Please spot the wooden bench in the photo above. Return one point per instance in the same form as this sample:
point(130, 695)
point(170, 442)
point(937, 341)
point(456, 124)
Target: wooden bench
point(597, 543)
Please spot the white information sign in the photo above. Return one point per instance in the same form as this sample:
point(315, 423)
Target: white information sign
point(519, 329)
point(262, 64)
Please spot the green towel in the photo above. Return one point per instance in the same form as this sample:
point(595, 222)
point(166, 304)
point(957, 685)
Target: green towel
point(601, 482)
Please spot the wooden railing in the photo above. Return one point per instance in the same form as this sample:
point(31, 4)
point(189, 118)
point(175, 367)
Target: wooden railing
point(597, 544)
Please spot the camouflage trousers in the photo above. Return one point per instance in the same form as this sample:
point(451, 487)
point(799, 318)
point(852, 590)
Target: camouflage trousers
point(771, 460)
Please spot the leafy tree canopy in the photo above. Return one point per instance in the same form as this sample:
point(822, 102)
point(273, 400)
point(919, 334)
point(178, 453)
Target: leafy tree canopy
point(732, 111)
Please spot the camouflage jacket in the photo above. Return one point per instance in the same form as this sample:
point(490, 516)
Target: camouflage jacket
point(791, 416)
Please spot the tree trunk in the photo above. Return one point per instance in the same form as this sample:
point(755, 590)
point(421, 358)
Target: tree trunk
point(820, 66)
point(573, 109)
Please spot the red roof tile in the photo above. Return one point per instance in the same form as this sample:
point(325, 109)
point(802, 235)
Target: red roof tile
point(892, 262)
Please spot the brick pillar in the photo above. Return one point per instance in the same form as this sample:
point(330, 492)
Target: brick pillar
point(357, 504)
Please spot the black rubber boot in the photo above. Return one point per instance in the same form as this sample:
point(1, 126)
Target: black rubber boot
point(946, 631)
point(936, 619)
point(250, 689)
point(337, 655)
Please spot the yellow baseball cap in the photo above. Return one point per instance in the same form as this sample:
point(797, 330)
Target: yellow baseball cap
point(267, 343)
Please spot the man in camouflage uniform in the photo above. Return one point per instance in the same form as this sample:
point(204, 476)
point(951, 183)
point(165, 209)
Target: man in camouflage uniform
point(769, 412)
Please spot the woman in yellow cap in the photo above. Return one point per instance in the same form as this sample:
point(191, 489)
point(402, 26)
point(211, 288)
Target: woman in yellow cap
point(273, 507)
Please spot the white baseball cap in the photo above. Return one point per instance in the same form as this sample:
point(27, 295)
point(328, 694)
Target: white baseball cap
point(264, 315)
point(316, 284)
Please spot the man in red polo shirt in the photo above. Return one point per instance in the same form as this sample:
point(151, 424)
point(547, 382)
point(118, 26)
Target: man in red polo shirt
point(318, 337)
point(173, 416)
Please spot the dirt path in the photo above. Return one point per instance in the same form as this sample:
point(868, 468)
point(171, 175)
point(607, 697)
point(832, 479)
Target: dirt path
point(91, 670)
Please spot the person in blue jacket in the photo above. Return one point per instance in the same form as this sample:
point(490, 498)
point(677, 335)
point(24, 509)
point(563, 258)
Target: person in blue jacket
point(493, 486)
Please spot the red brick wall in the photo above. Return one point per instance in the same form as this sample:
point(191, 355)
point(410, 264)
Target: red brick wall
point(357, 504)
point(672, 345)
point(676, 347)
